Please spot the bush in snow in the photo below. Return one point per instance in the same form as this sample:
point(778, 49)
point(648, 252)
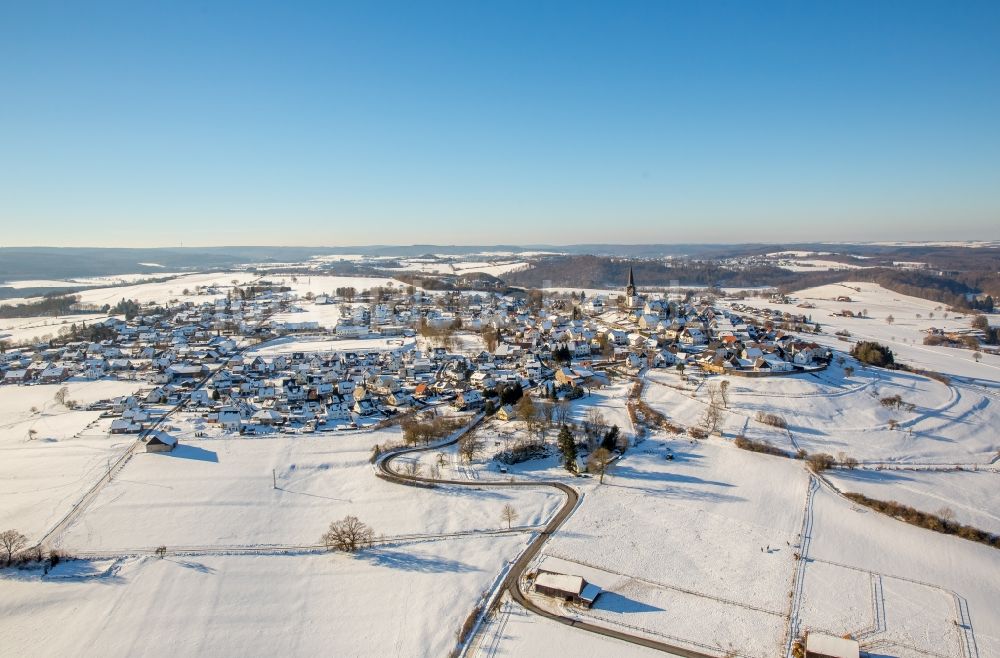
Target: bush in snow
point(874, 354)
point(820, 461)
point(774, 420)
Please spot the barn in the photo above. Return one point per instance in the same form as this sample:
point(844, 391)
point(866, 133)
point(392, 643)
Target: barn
point(820, 645)
point(572, 589)
point(160, 441)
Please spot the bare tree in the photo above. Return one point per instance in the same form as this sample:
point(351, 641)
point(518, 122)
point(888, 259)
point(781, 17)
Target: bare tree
point(526, 408)
point(889, 319)
point(563, 411)
point(547, 411)
point(977, 356)
point(598, 461)
point(508, 514)
point(490, 338)
point(413, 468)
point(348, 535)
point(724, 393)
point(61, 395)
point(528, 412)
point(595, 427)
point(12, 542)
point(469, 446)
point(713, 414)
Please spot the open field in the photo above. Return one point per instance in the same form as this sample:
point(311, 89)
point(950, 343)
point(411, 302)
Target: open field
point(221, 492)
point(312, 343)
point(161, 291)
point(835, 413)
point(43, 474)
point(295, 604)
point(928, 579)
point(906, 333)
point(971, 496)
point(19, 330)
point(700, 546)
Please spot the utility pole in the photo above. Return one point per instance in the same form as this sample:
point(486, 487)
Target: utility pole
point(274, 479)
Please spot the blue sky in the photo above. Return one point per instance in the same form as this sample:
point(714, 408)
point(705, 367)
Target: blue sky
point(126, 124)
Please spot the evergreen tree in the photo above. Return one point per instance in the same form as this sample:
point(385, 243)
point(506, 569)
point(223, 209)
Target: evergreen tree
point(567, 446)
point(610, 440)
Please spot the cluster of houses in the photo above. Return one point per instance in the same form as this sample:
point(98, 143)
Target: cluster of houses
point(195, 354)
point(735, 340)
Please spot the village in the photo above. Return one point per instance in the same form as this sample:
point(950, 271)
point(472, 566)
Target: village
point(216, 366)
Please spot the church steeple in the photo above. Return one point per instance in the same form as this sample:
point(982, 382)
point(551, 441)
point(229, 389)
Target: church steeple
point(630, 286)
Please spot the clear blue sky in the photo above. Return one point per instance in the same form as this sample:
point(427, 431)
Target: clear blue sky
point(141, 123)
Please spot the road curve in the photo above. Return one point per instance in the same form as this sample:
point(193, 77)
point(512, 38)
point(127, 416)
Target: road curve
point(512, 583)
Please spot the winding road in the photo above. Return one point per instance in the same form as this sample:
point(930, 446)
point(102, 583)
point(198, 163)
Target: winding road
point(512, 583)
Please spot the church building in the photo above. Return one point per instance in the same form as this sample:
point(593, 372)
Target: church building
point(632, 298)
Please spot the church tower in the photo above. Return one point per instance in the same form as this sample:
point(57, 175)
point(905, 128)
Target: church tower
point(632, 299)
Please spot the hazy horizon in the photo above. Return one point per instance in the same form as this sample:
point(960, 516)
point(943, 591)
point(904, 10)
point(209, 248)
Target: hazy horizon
point(526, 247)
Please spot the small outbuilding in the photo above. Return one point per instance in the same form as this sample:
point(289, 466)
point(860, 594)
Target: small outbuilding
point(572, 589)
point(160, 441)
point(820, 645)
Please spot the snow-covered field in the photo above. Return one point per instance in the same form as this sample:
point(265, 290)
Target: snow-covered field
point(906, 333)
point(814, 265)
point(835, 413)
point(160, 291)
point(290, 344)
point(399, 600)
point(113, 279)
point(494, 268)
point(221, 492)
point(327, 315)
point(682, 544)
point(973, 497)
point(42, 474)
point(925, 579)
point(19, 330)
point(322, 283)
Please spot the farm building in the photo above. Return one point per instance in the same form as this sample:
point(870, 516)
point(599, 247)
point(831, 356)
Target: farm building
point(820, 645)
point(572, 589)
point(160, 441)
point(125, 426)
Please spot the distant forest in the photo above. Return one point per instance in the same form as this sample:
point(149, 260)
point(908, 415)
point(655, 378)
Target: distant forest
point(603, 272)
point(952, 272)
point(600, 272)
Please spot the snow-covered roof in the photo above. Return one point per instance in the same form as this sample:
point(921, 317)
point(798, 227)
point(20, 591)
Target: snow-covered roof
point(561, 582)
point(828, 645)
point(161, 437)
